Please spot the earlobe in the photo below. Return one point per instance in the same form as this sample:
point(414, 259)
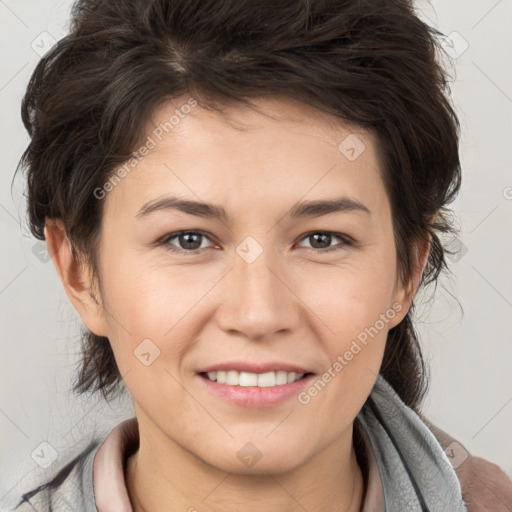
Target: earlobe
point(75, 276)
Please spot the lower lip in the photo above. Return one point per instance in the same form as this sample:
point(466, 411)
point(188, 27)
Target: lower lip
point(254, 396)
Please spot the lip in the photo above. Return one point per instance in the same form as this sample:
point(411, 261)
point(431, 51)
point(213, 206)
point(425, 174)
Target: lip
point(254, 396)
point(253, 367)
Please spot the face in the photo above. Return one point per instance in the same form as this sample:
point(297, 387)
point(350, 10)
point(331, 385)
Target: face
point(261, 282)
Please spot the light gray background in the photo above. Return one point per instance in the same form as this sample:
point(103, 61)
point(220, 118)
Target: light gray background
point(471, 354)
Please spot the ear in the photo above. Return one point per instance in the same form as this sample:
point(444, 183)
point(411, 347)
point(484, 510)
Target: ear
point(405, 292)
point(76, 277)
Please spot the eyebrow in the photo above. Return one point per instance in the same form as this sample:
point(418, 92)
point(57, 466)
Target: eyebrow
point(304, 209)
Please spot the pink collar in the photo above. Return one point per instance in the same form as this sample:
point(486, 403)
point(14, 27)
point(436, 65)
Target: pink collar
point(111, 494)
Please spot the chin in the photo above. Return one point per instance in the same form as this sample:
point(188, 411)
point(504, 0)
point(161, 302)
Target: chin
point(253, 457)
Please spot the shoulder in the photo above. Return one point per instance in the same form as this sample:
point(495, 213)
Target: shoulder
point(69, 489)
point(484, 485)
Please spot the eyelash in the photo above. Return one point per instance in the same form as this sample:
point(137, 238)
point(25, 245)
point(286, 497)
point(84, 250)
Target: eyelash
point(165, 241)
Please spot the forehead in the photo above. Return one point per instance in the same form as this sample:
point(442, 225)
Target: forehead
point(240, 157)
point(272, 120)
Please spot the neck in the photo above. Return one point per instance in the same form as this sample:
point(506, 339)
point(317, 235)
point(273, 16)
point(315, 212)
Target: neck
point(160, 473)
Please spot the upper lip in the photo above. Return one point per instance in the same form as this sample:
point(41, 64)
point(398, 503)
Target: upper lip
point(254, 367)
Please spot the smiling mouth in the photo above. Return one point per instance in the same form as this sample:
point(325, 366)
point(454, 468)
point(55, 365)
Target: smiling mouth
point(248, 379)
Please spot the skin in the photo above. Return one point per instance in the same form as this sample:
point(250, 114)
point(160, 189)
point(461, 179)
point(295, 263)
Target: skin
point(293, 303)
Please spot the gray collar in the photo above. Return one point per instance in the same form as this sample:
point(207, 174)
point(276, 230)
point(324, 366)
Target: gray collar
point(415, 472)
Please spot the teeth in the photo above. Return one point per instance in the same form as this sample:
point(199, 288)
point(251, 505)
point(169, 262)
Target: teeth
point(266, 380)
point(262, 380)
point(247, 379)
point(232, 378)
point(281, 378)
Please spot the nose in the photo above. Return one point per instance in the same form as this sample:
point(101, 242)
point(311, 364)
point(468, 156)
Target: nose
point(258, 298)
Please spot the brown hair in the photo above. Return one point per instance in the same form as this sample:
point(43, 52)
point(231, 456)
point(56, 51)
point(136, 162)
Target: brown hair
point(372, 63)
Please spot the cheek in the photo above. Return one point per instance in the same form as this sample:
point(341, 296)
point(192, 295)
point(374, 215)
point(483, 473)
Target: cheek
point(150, 299)
point(151, 325)
point(351, 298)
point(357, 312)
point(157, 303)
point(355, 304)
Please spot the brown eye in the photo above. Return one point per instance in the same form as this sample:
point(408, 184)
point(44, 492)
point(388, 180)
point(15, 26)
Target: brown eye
point(186, 242)
point(321, 240)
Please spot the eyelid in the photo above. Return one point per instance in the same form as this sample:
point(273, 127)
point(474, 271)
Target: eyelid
point(164, 241)
point(346, 240)
point(166, 238)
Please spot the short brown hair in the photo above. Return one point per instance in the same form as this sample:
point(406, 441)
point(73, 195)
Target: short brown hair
point(372, 63)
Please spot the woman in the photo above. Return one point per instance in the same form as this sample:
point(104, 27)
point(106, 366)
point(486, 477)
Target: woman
point(241, 200)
